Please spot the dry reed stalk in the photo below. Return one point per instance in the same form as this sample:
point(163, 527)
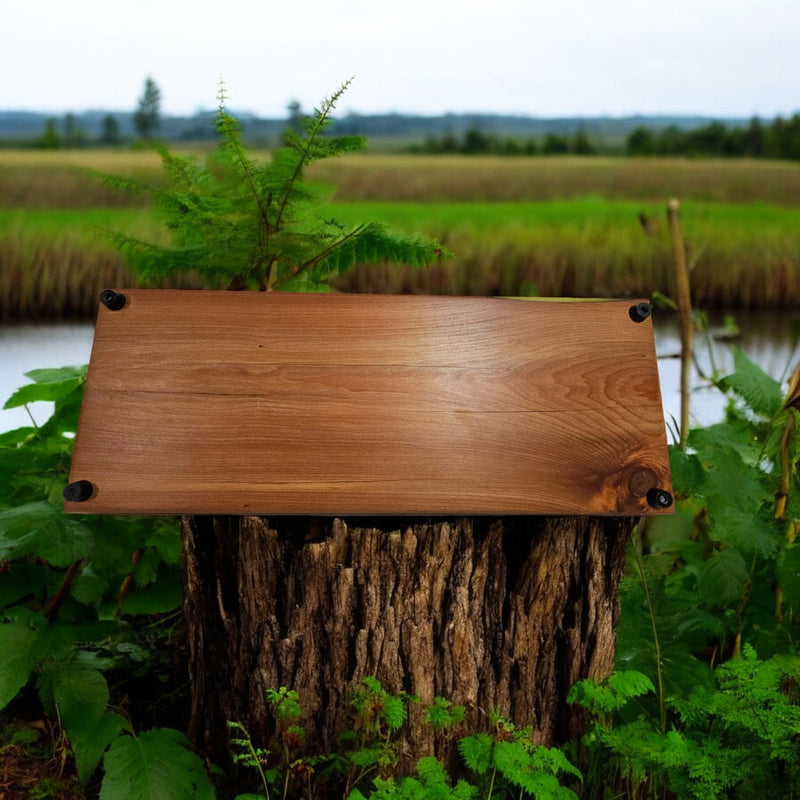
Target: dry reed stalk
point(684, 298)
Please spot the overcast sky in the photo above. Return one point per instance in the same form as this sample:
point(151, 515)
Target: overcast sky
point(722, 58)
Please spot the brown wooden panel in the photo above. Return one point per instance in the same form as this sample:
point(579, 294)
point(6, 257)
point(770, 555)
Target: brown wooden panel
point(271, 403)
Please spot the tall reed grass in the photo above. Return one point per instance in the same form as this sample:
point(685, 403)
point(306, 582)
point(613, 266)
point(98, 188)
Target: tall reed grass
point(54, 264)
point(62, 179)
point(495, 179)
point(743, 257)
point(557, 226)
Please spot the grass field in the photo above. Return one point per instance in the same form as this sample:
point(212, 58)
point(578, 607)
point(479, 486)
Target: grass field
point(564, 226)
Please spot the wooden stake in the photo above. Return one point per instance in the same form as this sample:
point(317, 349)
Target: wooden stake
point(684, 312)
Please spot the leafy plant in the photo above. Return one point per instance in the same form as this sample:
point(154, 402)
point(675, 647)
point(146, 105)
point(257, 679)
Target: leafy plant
point(737, 734)
point(705, 590)
point(723, 571)
point(504, 763)
point(157, 764)
point(239, 223)
point(69, 587)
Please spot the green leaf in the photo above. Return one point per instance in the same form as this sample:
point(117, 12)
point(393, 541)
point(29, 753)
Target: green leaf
point(367, 756)
point(686, 470)
point(22, 580)
point(165, 594)
point(476, 750)
point(788, 573)
point(630, 684)
point(394, 712)
point(761, 392)
point(22, 649)
point(156, 765)
point(88, 588)
point(78, 696)
point(50, 385)
point(89, 744)
point(442, 713)
point(43, 530)
point(533, 771)
point(723, 577)
point(737, 491)
point(611, 694)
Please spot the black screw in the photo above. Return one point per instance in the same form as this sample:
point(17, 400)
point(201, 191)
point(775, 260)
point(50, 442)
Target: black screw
point(640, 312)
point(112, 300)
point(78, 491)
point(658, 498)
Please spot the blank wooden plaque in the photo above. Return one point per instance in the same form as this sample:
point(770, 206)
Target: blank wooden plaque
point(271, 403)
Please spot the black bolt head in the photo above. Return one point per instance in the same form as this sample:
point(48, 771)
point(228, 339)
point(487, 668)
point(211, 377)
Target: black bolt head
point(78, 491)
point(658, 498)
point(640, 312)
point(112, 300)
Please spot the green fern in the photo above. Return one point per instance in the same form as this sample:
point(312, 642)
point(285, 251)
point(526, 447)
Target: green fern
point(738, 735)
point(509, 761)
point(240, 223)
point(612, 694)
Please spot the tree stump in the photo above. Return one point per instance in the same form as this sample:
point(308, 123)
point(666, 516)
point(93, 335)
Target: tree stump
point(490, 613)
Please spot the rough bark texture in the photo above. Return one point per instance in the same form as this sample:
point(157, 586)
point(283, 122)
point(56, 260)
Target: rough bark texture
point(490, 613)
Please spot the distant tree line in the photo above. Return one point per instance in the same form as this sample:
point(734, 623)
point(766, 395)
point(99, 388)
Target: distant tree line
point(475, 142)
point(779, 139)
point(146, 121)
point(68, 132)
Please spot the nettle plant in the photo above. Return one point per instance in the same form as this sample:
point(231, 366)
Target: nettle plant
point(82, 599)
point(707, 700)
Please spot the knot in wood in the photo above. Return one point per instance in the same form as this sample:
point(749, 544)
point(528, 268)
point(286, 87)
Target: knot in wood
point(641, 480)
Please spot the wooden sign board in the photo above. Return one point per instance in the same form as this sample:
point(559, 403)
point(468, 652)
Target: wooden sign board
point(333, 404)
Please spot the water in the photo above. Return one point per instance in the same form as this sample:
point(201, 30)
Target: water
point(766, 339)
point(27, 347)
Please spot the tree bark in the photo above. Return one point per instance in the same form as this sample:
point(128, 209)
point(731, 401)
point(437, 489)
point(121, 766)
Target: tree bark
point(491, 614)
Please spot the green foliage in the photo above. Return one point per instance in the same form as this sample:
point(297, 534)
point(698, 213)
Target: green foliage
point(157, 765)
point(70, 586)
point(722, 571)
point(77, 693)
point(432, 783)
point(706, 589)
point(737, 734)
point(612, 694)
point(442, 714)
point(239, 223)
point(777, 139)
point(506, 760)
point(503, 763)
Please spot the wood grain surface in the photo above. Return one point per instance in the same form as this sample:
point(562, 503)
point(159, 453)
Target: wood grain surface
point(273, 403)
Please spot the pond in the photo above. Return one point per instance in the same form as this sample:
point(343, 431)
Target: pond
point(766, 338)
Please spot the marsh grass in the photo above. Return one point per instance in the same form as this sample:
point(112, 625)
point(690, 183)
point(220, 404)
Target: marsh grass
point(62, 179)
point(559, 226)
point(496, 179)
point(743, 257)
point(53, 264)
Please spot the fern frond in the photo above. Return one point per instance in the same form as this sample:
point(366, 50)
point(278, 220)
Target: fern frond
point(235, 221)
point(367, 244)
point(308, 148)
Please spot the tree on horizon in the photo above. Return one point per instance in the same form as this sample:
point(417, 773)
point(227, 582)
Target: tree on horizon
point(147, 118)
